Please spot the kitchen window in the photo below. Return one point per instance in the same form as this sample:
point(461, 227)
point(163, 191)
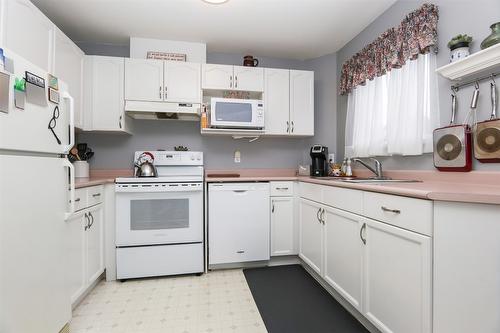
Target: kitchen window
point(394, 114)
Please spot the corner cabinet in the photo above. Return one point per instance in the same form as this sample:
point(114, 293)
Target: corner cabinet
point(103, 95)
point(289, 102)
point(383, 269)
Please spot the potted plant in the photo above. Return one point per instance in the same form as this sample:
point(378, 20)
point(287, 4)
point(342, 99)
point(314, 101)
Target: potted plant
point(459, 47)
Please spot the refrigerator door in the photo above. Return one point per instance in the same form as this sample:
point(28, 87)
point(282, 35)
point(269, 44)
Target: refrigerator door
point(33, 202)
point(28, 130)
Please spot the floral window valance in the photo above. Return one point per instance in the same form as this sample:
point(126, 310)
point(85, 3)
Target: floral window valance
point(415, 35)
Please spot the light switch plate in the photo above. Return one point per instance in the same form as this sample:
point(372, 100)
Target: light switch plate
point(237, 156)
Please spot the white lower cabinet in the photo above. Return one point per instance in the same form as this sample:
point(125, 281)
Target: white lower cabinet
point(85, 250)
point(282, 226)
point(344, 254)
point(397, 279)
point(311, 235)
point(384, 271)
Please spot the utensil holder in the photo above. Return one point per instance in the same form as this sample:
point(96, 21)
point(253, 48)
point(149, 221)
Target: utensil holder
point(81, 169)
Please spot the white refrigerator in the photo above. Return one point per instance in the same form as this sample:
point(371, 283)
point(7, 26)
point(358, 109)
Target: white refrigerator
point(36, 192)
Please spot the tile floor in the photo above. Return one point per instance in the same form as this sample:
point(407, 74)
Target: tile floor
point(219, 301)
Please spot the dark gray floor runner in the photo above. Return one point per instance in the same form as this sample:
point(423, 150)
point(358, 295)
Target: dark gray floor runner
point(291, 301)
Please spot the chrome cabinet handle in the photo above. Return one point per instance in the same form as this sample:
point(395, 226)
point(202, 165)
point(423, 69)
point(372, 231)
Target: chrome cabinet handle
point(317, 215)
point(160, 92)
point(236, 81)
point(323, 216)
point(361, 230)
point(77, 200)
point(282, 188)
point(96, 195)
point(293, 125)
point(88, 222)
point(288, 126)
point(272, 209)
point(231, 81)
point(395, 211)
point(120, 122)
point(240, 251)
point(239, 191)
point(165, 94)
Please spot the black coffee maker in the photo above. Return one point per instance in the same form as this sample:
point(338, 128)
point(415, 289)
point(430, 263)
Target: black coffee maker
point(319, 156)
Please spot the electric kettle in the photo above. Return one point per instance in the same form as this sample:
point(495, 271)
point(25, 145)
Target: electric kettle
point(144, 166)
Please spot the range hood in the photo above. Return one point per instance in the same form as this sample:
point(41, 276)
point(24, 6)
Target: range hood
point(163, 110)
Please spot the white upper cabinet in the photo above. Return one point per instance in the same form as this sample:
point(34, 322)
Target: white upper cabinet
point(343, 254)
point(103, 94)
point(302, 102)
point(277, 101)
point(217, 77)
point(68, 67)
point(28, 33)
point(182, 82)
point(248, 78)
point(144, 80)
point(397, 279)
point(227, 77)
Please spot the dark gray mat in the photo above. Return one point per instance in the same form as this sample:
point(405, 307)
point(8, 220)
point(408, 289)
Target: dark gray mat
point(292, 301)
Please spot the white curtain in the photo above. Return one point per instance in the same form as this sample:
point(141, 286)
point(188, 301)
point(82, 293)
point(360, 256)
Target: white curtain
point(394, 114)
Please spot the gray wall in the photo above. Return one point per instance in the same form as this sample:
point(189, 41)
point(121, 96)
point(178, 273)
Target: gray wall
point(116, 150)
point(455, 17)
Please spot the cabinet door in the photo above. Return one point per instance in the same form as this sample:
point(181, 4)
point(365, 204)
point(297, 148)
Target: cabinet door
point(182, 82)
point(282, 226)
point(311, 235)
point(106, 101)
point(277, 101)
point(95, 244)
point(68, 67)
point(302, 102)
point(144, 80)
point(28, 33)
point(344, 254)
point(397, 279)
point(76, 255)
point(248, 78)
point(217, 76)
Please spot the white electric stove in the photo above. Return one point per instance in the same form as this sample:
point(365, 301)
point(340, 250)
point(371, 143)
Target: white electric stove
point(159, 220)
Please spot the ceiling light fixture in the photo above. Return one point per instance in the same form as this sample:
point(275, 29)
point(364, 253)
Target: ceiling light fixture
point(215, 2)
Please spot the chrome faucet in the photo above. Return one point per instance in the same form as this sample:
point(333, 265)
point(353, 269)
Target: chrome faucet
point(378, 167)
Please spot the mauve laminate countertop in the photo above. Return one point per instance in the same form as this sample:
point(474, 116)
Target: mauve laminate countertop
point(473, 187)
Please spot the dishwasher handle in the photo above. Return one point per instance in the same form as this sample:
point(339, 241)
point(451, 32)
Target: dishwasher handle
point(240, 191)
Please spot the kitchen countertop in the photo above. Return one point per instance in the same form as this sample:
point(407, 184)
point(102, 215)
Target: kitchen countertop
point(474, 187)
point(101, 177)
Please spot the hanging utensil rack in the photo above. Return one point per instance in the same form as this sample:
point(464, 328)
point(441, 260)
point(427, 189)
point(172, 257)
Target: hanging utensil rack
point(491, 76)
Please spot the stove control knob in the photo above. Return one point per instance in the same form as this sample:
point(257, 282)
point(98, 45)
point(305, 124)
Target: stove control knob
point(192, 157)
point(198, 158)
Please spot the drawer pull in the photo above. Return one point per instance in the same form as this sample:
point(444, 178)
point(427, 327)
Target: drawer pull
point(77, 200)
point(240, 251)
point(96, 195)
point(282, 188)
point(395, 211)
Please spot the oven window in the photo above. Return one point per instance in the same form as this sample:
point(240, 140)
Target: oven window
point(159, 214)
point(234, 112)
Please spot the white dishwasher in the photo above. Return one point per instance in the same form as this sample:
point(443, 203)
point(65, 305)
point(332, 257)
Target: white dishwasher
point(238, 222)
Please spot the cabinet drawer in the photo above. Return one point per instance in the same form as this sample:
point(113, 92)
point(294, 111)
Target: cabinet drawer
point(281, 189)
point(407, 213)
point(94, 195)
point(311, 191)
point(343, 198)
point(80, 198)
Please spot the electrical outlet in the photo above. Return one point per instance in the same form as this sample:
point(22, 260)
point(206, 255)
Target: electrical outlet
point(331, 157)
point(237, 156)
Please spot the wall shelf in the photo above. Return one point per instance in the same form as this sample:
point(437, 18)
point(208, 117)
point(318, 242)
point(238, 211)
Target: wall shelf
point(475, 66)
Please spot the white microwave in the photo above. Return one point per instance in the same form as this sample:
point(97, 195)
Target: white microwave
point(236, 113)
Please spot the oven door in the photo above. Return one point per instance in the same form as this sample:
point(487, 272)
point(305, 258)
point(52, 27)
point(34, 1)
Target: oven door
point(162, 216)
